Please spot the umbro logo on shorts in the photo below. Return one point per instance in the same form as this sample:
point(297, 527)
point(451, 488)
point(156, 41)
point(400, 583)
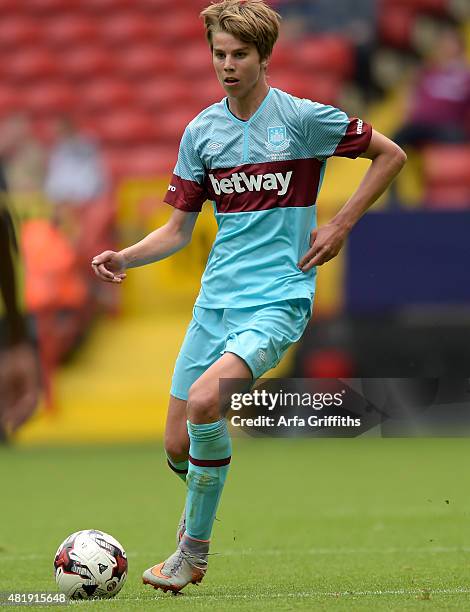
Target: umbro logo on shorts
point(239, 182)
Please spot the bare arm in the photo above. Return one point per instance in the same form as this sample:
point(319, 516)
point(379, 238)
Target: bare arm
point(387, 161)
point(159, 244)
point(162, 242)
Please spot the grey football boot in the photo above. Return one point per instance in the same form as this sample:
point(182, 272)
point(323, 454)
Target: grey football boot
point(188, 565)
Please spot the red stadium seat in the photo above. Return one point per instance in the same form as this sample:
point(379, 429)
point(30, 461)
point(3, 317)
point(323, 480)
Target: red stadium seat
point(161, 94)
point(114, 159)
point(106, 6)
point(125, 128)
point(29, 65)
point(50, 99)
point(45, 128)
point(437, 7)
point(196, 5)
point(289, 81)
point(10, 100)
point(105, 94)
point(326, 89)
point(323, 88)
point(145, 61)
point(329, 54)
point(16, 32)
point(171, 129)
point(158, 7)
point(70, 31)
point(146, 161)
point(396, 25)
point(179, 27)
point(447, 176)
point(206, 93)
point(9, 6)
point(195, 61)
point(50, 6)
point(128, 28)
point(86, 62)
point(283, 57)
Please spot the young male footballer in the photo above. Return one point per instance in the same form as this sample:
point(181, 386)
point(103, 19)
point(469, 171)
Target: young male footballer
point(259, 155)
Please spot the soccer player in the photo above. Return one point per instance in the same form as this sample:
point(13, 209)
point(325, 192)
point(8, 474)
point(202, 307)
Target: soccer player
point(260, 156)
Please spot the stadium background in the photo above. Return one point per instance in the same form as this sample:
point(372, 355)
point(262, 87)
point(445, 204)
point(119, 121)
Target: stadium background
point(129, 75)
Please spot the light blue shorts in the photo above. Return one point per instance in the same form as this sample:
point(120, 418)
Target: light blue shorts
point(259, 335)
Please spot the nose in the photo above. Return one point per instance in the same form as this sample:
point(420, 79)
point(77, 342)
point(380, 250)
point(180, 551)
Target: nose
point(228, 63)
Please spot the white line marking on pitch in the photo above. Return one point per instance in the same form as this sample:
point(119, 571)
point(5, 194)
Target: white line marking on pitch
point(349, 551)
point(275, 552)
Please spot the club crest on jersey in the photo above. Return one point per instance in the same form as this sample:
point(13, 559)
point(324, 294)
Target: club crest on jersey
point(277, 139)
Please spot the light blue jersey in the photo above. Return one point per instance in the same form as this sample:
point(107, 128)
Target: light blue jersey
point(263, 177)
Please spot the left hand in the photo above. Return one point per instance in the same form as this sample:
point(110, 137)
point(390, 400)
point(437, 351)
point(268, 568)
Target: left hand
point(325, 243)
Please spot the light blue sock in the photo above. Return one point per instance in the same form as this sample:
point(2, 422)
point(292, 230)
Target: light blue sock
point(180, 468)
point(209, 458)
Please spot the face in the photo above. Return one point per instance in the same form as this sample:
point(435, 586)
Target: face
point(449, 47)
point(237, 64)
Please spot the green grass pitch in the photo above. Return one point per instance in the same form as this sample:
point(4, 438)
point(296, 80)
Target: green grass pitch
point(364, 524)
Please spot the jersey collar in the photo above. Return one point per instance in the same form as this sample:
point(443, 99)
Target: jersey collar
point(238, 121)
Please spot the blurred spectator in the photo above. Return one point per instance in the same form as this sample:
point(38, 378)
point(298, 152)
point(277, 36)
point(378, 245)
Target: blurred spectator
point(57, 293)
point(76, 177)
point(24, 160)
point(19, 379)
point(78, 186)
point(76, 173)
point(439, 105)
point(356, 21)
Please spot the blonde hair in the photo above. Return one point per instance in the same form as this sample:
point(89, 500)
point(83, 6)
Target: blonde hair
point(251, 21)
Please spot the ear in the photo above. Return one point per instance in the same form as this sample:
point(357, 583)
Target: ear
point(265, 62)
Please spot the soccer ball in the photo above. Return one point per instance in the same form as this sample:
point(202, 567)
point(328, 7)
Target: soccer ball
point(90, 564)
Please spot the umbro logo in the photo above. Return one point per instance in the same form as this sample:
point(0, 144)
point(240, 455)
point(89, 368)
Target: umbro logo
point(215, 147)
point(360, 125)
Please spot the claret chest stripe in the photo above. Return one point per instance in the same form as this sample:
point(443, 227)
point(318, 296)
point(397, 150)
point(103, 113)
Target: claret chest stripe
point(250, 187)
point(253, 187)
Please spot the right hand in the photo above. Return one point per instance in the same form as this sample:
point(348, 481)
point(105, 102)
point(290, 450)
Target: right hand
point(109, 266)
point(19, 386)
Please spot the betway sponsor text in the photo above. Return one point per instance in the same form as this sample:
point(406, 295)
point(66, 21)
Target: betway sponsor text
point(239, 182)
